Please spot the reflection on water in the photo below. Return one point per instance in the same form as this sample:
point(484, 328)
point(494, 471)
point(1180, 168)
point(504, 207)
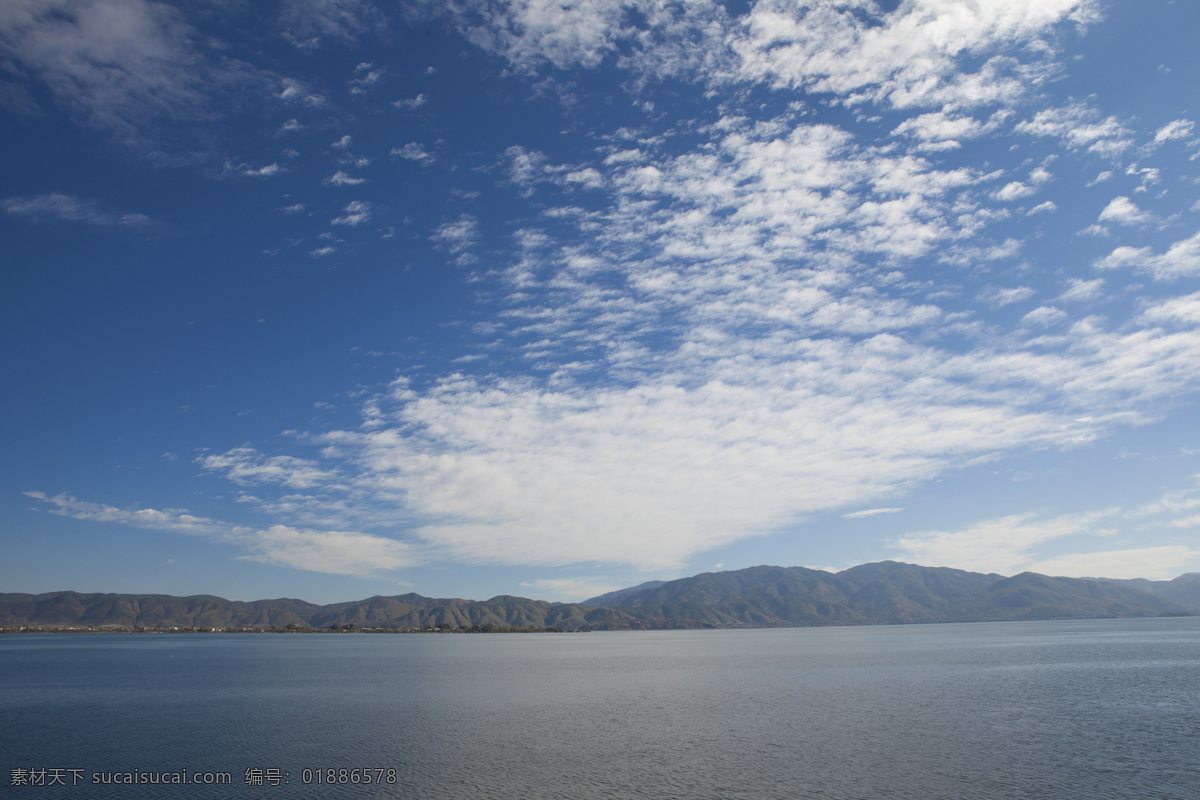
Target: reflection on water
point(1091, 709)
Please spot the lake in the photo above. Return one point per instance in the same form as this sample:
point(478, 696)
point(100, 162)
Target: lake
point(1064, 709)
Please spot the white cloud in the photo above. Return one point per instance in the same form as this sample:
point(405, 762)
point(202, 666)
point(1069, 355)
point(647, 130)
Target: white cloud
point(645, 476)
point(527, 168)
point(262, 172)
point(906, 58)
point(365, 78)
point(1040, 175)
point(1045, 315)
point(411, 102)
point(1124, 211)
point(331, 552)
point(411, 151)
point(587, 177)
point(1007, 545)
point(247, 171)
point(998, 297)
point(871, 512)
point(1185, 309)
point(1149, 176)
point(1027, 542)
point(458, 235)
point(1083, 290)
point(1182, 259)
point(295, 92)
point(1172, 503)
point(1014, 191)
point(356, 213)
point(1178, 129)
point(246, 467)
point(1081, 127)
point(1043, 208)
point(532, 32)
point(942, 130)
point(341, 178)
point(1154, 563)
point(910, 57)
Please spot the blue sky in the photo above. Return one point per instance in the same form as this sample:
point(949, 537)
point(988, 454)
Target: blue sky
point(335, 299)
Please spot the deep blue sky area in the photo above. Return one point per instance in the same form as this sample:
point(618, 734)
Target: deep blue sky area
point(334, 298)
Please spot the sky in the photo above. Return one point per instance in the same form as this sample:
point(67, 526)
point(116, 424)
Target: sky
point(329, 299)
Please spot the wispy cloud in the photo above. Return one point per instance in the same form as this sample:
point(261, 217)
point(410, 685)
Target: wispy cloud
point(941, 131)
point(68, 208)
point(1045, 315)
point(570, 589)
point(411, 151)
point(246, 467)
point(294, 91)
point(309, 24)
point(1081, 127)
point(871, 512)
point(998, 296)
point(1006, 545)
point(1178, 129)
point(1182, 259)
point(457, 235)
point(130, 68)
point(247, 171)
point(1153, 563)
point(331, 552)
point(365, 78)
point(1078, 545)
point(908, 58)
point(355, 213)
point(531, 33)
point(342, 178)
point(411, 102)
point(1179, 310)
point(1080, 290)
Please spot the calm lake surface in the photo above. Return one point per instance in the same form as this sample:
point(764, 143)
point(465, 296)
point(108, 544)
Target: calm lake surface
point(1088, 709)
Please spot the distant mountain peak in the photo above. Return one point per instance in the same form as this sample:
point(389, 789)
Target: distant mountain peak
point(882, 592)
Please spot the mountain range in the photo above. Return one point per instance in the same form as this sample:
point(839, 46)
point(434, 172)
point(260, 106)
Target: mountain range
point(884, 592)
